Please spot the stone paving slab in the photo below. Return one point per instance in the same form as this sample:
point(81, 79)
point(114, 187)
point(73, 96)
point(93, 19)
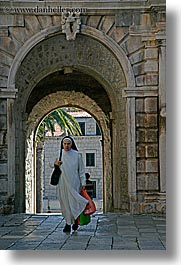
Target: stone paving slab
point(111, 231)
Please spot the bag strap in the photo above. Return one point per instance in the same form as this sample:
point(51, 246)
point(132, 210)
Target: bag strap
point(60, 154)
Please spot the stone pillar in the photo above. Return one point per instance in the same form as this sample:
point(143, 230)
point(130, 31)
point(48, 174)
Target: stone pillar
point(131, 146)
point(161, 40)
point(142, 149)
point(131, 151)
point(120, 158)
point(11, 147)
point(162, 116)
point(3, 156)
point(39, 177)
point(7, 151)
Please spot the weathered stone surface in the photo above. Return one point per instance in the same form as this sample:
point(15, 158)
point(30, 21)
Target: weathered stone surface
point(5, 59)
point(132, 44)
point(151, 66)
point(141, 182)
point(151, 120)
point(152, 150)
point(151, 53)
point(140, 151)
point(140, 120)
point(140, 80)
point(3, 137)
point(45, 21)
point(148, 79)
point(118, 33)
point(4, 184)
point(3, 81)
point(140, 135)
point(139, 69)
point(106, 23)
point(126, 232)
point(151, 105)
point(11, 20)
point(56, 20)
point(3, 106)
point(137, 56)
point(3, 168)
point(93, 21)
point(123, 19)
point(4, 70)
point(152, 165)
point(140, 105)
point(151, 79)
point(3, 154)
point(151, 135)
point(3, 31)
point(141, 166)
point(152, 182)
point(3, 122)
point(33, 25)
point(9, 46)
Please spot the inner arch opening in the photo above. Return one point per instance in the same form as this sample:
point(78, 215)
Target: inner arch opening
point(89, 144)
point(63, 89)
point(71, 80)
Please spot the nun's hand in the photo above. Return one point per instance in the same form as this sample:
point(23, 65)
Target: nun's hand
point(58, 163)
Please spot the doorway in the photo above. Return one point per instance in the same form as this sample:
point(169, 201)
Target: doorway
point(89, 144)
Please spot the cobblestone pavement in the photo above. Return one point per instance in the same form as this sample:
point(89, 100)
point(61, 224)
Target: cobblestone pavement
point(105, 232)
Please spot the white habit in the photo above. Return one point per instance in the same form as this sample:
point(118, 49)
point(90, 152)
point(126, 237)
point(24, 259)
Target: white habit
point(69, 186)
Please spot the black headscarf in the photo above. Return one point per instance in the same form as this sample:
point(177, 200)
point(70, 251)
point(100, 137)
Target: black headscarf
point(74, 147)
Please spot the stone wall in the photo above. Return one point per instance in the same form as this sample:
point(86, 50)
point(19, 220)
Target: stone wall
point(3, 154)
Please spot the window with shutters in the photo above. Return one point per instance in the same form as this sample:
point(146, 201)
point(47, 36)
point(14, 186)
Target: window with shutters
point(90, 160)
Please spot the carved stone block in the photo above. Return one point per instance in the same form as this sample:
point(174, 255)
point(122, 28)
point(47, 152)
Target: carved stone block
point(152, 150)
point(151, 105)
point(152, 165)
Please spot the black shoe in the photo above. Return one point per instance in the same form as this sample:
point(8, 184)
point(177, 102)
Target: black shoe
point(75, 226)
point(67, 228)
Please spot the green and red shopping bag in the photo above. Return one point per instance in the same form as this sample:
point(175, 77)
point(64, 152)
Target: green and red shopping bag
point(90, 208)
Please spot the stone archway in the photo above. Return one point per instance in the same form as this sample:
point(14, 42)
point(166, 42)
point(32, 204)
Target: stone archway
point(93, 59)
point(44, 106)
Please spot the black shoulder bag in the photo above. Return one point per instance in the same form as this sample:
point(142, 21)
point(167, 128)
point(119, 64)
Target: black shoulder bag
point(56, 173)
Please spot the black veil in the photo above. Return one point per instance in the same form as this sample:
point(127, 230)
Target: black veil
point(74, 147)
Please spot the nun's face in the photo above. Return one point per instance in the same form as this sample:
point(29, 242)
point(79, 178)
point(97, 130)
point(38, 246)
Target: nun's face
point(67, 145)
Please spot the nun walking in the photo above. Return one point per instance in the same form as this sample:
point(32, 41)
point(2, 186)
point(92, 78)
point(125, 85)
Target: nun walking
point(70, 183)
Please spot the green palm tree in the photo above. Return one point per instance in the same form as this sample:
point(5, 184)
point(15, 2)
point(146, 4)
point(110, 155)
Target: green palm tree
point(66, 122)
